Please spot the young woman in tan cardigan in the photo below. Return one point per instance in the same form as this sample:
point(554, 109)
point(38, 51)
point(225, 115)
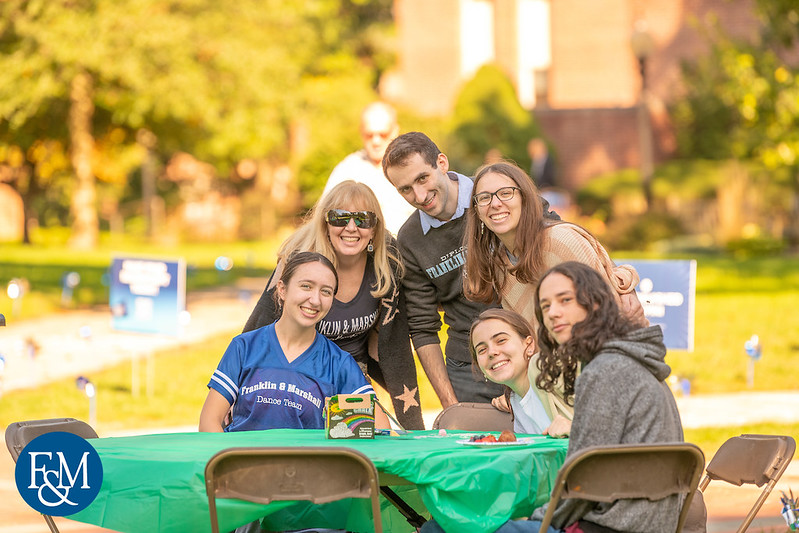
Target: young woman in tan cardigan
point(510, 244)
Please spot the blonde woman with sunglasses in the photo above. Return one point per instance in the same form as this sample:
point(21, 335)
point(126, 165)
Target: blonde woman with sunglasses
point(368, 317)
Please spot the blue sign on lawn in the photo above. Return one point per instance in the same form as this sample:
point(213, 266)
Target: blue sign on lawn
point(147, 295)
point(667, 292)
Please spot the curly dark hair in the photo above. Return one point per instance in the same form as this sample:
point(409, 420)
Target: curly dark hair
point(604, 321)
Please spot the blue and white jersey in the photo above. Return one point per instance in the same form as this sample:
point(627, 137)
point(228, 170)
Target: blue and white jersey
point(268, 392)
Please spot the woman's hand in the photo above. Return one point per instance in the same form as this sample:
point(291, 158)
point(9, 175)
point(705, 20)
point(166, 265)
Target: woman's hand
point(501, 403)
point(560, 427)
point(632, 308)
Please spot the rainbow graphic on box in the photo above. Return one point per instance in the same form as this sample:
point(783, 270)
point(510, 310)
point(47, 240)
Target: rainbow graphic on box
point(350, 416)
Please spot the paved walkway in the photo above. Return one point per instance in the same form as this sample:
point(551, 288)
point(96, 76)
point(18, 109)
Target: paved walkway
point(69, 343)
point(82, 341)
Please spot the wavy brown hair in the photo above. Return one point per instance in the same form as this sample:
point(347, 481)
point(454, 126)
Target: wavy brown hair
point(604, 321)
point(486, 265)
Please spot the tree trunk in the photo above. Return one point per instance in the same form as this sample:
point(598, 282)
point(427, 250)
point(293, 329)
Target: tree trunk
point(85, 223)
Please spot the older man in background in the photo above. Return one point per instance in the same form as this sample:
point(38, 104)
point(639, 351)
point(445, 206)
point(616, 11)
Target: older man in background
point(378, 128)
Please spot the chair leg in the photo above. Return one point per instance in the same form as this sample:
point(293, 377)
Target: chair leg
point(50, 523)
point(756, 507)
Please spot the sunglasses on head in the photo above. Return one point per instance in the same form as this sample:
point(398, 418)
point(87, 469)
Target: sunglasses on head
point(340, 218)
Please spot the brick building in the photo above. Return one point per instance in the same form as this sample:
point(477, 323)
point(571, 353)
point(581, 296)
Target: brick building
point(571, 62)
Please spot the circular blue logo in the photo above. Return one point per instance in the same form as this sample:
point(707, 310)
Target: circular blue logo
point(59, 473)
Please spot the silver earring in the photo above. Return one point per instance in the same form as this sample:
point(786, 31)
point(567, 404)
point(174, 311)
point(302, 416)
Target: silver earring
point(482, 227)
point(369, 247)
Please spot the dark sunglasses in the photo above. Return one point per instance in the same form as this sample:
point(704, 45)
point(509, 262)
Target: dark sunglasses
point(340, 218)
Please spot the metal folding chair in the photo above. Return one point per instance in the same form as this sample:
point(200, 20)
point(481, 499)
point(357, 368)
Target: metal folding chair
point(610, 473)
point(19, 434)
point(316, 474)
point(470, 416)
point(752, 459)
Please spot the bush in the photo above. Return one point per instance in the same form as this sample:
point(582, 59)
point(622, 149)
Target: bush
point(640, 232)
point(488, 116)
point(756, 247)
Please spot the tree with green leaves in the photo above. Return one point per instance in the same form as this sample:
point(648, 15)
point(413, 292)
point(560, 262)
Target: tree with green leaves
point(221, 80)
point(742, 100)
point(488, 116)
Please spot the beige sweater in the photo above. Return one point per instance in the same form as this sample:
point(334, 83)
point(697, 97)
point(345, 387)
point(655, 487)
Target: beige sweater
point(565, 242)
point(568, 242)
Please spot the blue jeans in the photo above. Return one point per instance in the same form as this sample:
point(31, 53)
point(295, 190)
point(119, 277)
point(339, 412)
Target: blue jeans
point(511, 526)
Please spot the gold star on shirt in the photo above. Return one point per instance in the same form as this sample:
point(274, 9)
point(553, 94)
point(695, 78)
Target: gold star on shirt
point(408, 398)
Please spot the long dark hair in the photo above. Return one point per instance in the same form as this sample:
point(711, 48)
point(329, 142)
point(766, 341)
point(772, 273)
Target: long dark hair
point(486, 267)
point(604, 321)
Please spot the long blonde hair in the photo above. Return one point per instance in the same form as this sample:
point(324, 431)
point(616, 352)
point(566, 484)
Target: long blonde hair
point(312, 236)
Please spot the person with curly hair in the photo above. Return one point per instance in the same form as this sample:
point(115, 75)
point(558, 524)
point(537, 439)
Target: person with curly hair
point(620, 396)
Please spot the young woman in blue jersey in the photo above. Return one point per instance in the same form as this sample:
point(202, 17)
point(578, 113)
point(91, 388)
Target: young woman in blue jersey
point(368, 318)
point(278, 376)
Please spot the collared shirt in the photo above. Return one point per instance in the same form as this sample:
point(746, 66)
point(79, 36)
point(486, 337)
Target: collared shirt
point(465, 186)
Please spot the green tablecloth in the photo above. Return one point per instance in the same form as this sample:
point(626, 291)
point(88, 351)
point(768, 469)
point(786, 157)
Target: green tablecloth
point(155, 483)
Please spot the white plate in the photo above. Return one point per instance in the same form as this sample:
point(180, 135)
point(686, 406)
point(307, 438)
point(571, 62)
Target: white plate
point(518, 442)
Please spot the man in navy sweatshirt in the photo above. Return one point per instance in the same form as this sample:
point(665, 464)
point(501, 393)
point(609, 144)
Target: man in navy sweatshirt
point(431, 245)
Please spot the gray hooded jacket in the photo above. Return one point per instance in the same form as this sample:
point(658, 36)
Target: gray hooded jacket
point(621, 398)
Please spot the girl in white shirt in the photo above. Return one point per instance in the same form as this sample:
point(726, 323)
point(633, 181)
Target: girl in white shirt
point(502, 345)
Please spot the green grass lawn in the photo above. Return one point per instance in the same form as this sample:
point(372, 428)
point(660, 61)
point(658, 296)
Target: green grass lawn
point(179, 389)
point(43, 266)
point(735, 299)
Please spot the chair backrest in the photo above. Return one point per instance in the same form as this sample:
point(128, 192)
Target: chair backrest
point(317, 474)
point(752, 459)
point(610, 473)
point(471, 416)
point(19, 434)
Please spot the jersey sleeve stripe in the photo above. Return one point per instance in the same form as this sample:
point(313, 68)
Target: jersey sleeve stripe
point(232, 392)
point(221, 375)
point(364, 389)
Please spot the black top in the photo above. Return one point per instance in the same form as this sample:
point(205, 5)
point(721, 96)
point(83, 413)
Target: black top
point(348, 323)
